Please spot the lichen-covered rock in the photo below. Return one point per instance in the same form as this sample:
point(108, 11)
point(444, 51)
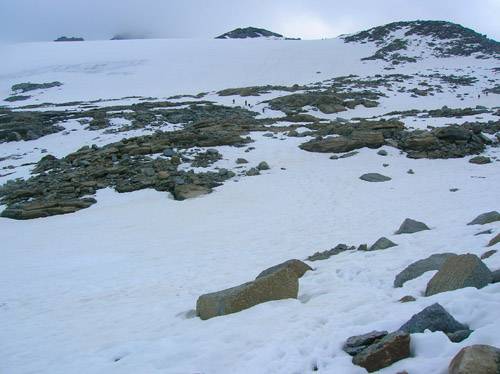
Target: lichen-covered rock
point(476, 359)
point(459, 272)
point(390, 349)
point(282, 284)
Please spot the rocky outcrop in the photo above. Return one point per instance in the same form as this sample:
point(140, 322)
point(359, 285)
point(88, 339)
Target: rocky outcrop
point(410, 226)
point(390, 349)
point(418, 268)
point(459, 272)
point(281, 284)
point(476, 359)
point(249, 32)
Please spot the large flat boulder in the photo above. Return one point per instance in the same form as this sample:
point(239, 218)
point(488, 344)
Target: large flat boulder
point(459, 272)
point(46, 209)
point(418, 268)
point(390, 349)
point(282, 284)
point(476, 359)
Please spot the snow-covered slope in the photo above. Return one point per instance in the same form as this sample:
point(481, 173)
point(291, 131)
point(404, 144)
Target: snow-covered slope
point(112, 288)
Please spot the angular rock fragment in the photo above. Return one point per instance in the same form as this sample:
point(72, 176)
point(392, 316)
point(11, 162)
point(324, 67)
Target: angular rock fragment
point(410, 226)
point(390, 349)
point(459, 272)
point(485, 218)
point(434, 318)
point(356, 344)
point(382, 243)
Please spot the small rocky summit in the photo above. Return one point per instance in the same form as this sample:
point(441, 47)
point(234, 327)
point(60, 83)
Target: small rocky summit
point(476, 359)
point(410, 226)
point(459, 272)
point(250, 32)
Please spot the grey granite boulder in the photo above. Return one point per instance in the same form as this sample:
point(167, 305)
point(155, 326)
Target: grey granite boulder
point(374, 177)
point(434, 318)
point(390, 349)
point(382, 243)
point(297, 266)
point(188, 191)
point(418, 268)
point(485, 218)
point(409, 226)
point(459, 272)
point(476, 359)
point(282, 284)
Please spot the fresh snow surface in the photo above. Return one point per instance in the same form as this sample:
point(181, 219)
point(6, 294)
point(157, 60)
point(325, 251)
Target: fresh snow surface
point(112, 288)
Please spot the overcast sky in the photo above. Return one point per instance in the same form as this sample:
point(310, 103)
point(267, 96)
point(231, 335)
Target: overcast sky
point(43, 20)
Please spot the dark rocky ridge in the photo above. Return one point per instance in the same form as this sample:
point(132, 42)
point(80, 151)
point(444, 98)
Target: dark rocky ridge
point(250, 32)
point(449, 39)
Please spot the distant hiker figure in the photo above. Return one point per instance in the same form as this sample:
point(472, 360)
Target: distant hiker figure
point(233, 101)
point(246, 103)
point(478, 96)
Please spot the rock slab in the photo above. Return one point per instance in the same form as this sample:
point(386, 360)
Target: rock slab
point(374, 177)
point(390, 349)
point(418, 268)
point(459, 272)
point(282, 284)
point(476, 359)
